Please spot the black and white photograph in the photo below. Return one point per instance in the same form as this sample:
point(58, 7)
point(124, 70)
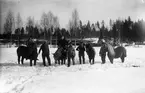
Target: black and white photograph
point(72, 46)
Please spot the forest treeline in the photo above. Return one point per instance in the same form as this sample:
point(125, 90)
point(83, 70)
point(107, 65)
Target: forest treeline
point(122, 30)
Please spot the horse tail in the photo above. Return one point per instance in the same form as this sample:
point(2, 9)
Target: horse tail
point(18, 50)
point(111, 50)
point(125, 53)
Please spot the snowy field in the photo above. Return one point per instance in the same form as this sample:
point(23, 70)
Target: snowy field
point(128, 77)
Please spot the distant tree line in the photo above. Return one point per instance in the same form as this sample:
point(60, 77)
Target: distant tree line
point(49, 28)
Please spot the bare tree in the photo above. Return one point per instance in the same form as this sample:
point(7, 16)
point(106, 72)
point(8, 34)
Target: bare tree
point(118, 28)
point(44, 20)
point(75, 19)
point(19, 26)
point(30, 21)
point(50, 24)
point(30, 25)
point(56, 22)
point(74, 22)
point(50, 17)
point(9, 23)
point(49, 20)
point(111, 24)
point(70, 25)
point(19, 22)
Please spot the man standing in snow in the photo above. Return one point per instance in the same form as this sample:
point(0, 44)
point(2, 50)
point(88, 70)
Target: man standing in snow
point(102, 52)
point(81, 50)
point(45, 53)
point(63, 43)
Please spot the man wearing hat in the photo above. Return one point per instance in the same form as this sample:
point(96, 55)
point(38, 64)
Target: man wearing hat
point(45, 53)
point(102, 52)
point(81, 53)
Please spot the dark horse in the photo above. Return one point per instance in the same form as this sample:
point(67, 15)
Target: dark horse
point(112, 53)
point(60, 56)
point(27, 53)
point(90, 52)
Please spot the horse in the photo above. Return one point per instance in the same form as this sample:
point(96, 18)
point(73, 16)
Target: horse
point(71, 55)
point(91, 53)
point(60, 55)
point(114, 53)
point(24, 52)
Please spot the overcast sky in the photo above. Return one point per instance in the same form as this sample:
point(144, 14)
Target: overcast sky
point(92, 10)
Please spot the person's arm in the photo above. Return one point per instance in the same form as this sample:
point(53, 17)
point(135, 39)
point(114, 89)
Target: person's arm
point(84, 48)
point(77, 48)
point(40, 49)
point(100, 52)
point(48, 47)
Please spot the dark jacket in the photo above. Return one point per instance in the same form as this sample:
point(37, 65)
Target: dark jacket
point(80, 48)
point(62, 42)
point(102, 50)
point(45, 49)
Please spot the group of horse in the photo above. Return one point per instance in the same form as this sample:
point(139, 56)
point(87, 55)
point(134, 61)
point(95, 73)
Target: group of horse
point(61, 55)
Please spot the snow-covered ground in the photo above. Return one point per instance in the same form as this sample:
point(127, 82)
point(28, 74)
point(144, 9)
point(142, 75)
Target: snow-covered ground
point(128, 77)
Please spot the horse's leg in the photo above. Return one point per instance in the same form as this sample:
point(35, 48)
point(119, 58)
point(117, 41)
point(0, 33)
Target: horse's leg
point(64, 61)
point(68, 62)
point(22, 60)
point(49, 61)
point(83, 59)
point(55, 61)
point(93, 60)
point(30, 62)
point(103, 58)
point(73, 61)
point(19, 59)
point(43, 57)
point(35, 62)
point(90, 60)
point(80, 59)
point(122, 59)
point(58, 61)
